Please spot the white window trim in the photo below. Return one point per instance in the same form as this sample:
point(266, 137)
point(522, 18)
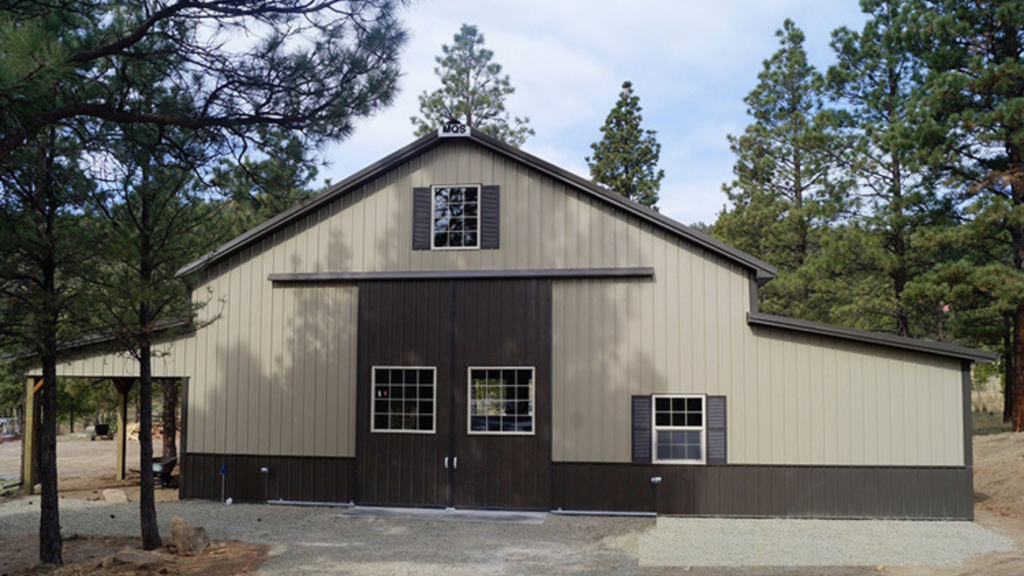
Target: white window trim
point(703, 428)
point(373, 405)
point(469, 402)
point(479, 216)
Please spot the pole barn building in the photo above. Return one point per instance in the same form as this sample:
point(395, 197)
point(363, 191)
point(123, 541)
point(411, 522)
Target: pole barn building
point(464, 324)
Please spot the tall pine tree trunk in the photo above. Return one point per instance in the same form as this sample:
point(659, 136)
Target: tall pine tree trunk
point(1015, 172)
point(147, 504)
point(899, 245)
point(50, 543)
point(1008, 364)
point(1016, 387)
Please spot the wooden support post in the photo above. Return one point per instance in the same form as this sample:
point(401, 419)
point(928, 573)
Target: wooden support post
point(28, 436)
point(123, 385)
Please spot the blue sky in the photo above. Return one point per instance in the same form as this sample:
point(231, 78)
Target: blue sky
point(690, 61)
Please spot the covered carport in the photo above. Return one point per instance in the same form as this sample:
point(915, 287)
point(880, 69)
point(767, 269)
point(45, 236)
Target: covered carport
point(123, 385)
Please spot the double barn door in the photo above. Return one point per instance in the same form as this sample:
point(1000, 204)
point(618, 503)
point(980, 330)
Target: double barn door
point(454, 403)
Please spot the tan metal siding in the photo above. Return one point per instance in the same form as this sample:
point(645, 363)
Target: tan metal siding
point(793, 398)
point(273, 372)
point(170, 359)
point(543, 224)
point(278, 376)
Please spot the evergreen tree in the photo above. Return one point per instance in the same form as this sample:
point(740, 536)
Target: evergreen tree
point(473, 92)
point(259, 189)
point(626, 158)
point(971, 129)
point(153, 218)
point(316, 68)
point(46, 252)
point(786, 192)
point(67, 75)
point(874, 78)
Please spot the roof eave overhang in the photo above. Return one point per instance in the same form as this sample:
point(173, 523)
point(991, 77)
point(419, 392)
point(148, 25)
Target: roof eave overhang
point(887, 340)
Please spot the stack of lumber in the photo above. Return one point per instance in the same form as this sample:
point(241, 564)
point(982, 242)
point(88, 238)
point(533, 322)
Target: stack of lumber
point(158, 430)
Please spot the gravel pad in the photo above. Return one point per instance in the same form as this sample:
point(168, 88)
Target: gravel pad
point(790, 542)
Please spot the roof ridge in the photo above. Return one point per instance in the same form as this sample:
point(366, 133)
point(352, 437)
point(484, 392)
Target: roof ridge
point(763, 270)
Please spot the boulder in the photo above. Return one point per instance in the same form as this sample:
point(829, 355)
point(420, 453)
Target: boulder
point(114, 495)
point(139, 559)
point(186, 539)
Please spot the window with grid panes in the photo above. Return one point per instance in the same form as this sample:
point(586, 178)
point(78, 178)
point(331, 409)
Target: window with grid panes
point(456, 221)
point(501, 400)
point(403, 399)
point(678, 428)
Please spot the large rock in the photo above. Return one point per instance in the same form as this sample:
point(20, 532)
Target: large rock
point(114, 495)
point(186, 539)
point(137, 558)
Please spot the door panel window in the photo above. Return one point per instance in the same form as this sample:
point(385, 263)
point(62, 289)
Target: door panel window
point(501, 400)
point(403, 399)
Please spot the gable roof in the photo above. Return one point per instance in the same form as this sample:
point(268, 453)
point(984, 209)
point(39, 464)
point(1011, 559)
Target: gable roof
point(763, 270)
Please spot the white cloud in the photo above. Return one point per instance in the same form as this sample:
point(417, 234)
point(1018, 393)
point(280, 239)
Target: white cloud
point(691, 62)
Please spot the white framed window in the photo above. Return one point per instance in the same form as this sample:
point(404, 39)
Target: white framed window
point(403, 399)
point(678, 429)
point(501, 400)
point(455, 221)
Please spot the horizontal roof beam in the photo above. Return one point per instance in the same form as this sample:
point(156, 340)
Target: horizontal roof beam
point(552, 273)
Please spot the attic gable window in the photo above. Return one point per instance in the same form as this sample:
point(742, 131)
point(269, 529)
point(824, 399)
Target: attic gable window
point(456, 217)
point(456, 221)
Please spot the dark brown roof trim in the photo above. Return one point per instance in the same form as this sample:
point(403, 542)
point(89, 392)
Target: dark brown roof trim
point(556, 273)
point(888, 340)
point(288, 216)
point(764, 270)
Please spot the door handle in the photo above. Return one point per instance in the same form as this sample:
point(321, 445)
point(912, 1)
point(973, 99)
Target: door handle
point(455, 462)
point(445, 462)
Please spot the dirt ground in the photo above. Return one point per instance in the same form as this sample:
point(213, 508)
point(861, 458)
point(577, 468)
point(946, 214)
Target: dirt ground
point(84, 470)
point(87, 468)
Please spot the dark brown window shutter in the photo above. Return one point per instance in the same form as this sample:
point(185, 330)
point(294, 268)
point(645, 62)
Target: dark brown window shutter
point(421, 218)
point(716, 430)
point(490, 217)
point(641, 429)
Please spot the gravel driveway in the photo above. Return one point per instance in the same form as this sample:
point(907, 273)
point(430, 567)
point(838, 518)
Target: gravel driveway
point(308, 540)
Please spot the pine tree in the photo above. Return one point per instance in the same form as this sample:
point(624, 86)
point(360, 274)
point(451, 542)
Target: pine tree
point(626, 158)
point(874, 78)
point(46, 251)
point(68, 73)
point(473, 91)
point(259, 189)
point(970, 128)
point(786, 191)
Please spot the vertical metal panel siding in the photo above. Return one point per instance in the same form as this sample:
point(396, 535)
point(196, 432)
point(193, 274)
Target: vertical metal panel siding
point(793, 399)
point(402, 324)
point(503, 323)
point(281, 381)
point(295, 478)
point(739, 490)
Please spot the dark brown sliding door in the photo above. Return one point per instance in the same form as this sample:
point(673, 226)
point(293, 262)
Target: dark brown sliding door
point(486, 347)
point(502, 420)
point(403, 338)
